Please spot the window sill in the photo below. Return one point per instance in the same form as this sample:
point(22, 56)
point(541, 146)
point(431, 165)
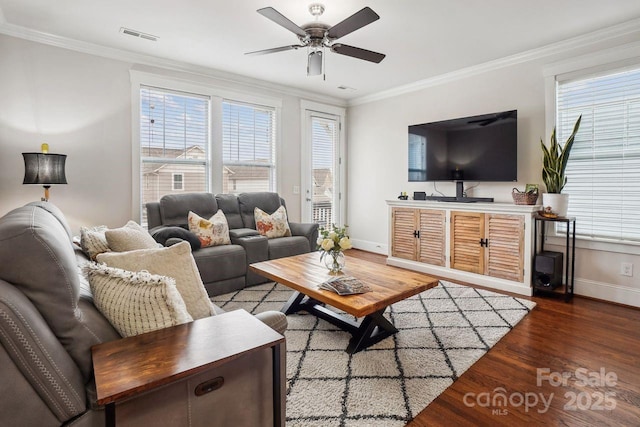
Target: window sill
point(630, 248)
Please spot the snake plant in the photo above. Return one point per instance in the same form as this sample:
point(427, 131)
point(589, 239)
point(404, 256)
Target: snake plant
point(555, 159)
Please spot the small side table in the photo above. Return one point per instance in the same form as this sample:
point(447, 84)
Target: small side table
point(569, 254)
point(132, 367)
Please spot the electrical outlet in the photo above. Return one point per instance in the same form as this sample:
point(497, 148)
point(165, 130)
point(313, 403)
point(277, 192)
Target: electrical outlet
point(626, 269)
point(296, 189)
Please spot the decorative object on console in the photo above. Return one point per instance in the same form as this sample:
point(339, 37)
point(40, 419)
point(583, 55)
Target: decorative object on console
point(44, 168)
point(527, 197)
point(332, 242)
point(403, 196)
point(554, 163)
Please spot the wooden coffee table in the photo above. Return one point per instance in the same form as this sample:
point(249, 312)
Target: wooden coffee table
point(304, 273)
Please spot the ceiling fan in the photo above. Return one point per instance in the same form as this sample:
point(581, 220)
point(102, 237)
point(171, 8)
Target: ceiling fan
point(316, 36)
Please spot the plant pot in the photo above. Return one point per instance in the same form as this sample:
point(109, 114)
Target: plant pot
point(557, 203)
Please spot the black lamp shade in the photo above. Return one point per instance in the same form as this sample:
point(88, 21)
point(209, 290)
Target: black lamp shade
point(41, 168)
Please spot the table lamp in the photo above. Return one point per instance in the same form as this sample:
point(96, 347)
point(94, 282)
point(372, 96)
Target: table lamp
point(44, 168)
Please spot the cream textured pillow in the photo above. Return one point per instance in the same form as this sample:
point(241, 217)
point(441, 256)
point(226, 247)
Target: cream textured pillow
point(129, 238)
point(211, 232)
point(135, 303)
point(174, 261)
point(274, 225)
point(93, 240)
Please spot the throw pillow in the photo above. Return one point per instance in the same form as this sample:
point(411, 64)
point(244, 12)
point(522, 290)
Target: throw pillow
point(162, 235)
point(135, 303)
point(174, 261)
point(274, 225)
point(93, 241)
point(129, 238)
point(211, 232)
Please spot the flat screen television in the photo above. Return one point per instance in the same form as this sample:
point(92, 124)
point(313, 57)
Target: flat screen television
point(477, 148)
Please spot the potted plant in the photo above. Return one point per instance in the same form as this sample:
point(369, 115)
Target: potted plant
point(554, 163)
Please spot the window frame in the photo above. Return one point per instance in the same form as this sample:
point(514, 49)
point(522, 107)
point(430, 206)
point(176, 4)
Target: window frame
point(609, 61)
point(173, 181)
point(217, 94)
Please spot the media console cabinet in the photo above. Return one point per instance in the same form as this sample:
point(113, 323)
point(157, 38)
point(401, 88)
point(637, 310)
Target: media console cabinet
point(488, 244)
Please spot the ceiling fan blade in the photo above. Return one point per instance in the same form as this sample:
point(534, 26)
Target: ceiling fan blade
point(363, 17)
point(274, 50)
point(357, 52)
point(280, 19)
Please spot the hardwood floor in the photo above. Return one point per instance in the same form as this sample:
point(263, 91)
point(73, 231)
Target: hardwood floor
point(594, 344)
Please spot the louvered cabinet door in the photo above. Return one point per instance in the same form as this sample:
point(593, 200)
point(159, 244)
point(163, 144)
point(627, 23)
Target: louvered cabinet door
point(467, 229)
point(504, 253)
point(403, 241)
point(431, 244)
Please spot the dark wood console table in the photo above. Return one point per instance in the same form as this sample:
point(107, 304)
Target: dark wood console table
point(127, 368)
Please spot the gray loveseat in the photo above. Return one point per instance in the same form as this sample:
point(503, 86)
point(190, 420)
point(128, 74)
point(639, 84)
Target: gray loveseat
point(48, 323)
point(225, 268)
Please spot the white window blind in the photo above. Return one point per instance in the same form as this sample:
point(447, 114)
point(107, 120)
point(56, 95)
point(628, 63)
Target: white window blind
point(174, 143)
point(248, 147)
point(603, 171)
point(324, 152)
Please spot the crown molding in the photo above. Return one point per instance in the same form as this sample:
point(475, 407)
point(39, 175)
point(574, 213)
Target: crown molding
point(154, 61)
point(585, 40)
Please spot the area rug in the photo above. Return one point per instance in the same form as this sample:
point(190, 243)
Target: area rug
point(442, 332)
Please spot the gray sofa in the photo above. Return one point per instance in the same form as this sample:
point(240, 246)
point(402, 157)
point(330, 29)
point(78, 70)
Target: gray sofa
point(225, 268)
point(48, 323)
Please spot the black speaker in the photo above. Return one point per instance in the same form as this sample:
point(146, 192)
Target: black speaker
point(547, 270)
point(419, 195)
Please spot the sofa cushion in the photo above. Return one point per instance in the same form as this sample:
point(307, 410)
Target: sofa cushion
point(217, 263)
point(288, 246)
point(175, 262)
point(31, 236)
point(93, 240)
point(211, 232)
point(266, 201)
point(229, 205)
point(136, 302)
point(162, 234)
point(131, 237)
point(272, 225)
point(174, 208)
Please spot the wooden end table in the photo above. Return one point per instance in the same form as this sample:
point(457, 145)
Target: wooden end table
point(131, 366)
point(304, 273)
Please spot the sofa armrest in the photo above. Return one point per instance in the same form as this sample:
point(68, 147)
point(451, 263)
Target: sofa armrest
point(38, 358)
point(154, 218)
point(237, 233)
point(308, 230)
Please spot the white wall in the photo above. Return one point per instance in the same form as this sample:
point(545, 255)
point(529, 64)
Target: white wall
point(81, 105)
point(377, 162)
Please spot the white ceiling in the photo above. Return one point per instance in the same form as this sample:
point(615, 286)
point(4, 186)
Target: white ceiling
point(421, 38)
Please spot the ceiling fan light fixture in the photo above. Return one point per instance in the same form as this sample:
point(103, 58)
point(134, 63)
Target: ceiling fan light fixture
point(314, 63)
point(316, 9)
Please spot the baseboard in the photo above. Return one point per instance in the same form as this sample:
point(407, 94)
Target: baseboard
point(459, 275)
point(378, 248)
point(607, 292)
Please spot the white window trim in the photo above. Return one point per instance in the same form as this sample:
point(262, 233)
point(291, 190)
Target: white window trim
point(216, 93)
point(305, 156)
point(584, 66)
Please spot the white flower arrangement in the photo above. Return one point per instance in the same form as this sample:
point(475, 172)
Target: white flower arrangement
point(333, 241)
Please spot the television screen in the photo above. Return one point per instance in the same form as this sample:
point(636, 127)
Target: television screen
point(478, 148)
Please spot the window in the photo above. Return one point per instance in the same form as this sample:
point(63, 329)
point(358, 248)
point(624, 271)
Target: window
point(174, 143)
point(178, 181)
point(604, 166)
point(324, 164)
point(248, 147)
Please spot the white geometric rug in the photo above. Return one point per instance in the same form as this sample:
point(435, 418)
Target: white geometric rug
point(442, 332)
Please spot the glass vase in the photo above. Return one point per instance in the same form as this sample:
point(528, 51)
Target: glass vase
point(334, 261)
